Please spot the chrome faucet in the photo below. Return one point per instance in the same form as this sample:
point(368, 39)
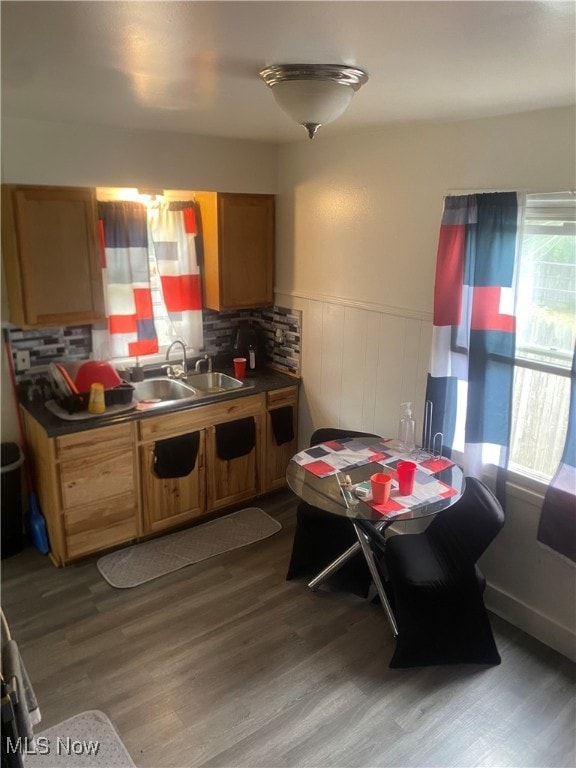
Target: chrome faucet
point(177, 371)
point(206, 359)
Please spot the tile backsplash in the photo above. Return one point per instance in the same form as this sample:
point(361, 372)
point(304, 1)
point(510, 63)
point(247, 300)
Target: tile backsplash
point(46, 345)
point(281, 329)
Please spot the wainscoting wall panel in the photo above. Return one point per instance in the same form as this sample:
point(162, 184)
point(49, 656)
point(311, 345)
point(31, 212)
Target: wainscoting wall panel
point(358, 365)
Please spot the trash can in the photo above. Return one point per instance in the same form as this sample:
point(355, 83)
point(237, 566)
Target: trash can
point(12, 521)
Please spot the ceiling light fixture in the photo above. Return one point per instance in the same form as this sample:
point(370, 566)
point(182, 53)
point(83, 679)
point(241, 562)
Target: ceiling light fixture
point(313, 94)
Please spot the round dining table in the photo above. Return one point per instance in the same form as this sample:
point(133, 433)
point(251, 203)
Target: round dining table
point(327, 476)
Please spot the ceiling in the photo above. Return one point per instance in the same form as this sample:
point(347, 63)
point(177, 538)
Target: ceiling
point(192, 67)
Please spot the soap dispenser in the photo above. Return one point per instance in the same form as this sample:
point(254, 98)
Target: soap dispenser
point(407, 428)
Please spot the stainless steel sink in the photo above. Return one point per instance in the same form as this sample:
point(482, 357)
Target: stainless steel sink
point(162, 392)
point(213, 383)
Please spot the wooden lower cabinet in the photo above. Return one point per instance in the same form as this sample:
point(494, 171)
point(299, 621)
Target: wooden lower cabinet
point(234, 480)
point(96, 476)
point(170, 502)
point(90, 528)
point(97, 488)
point(278, 455)
point(223, 483)
point(99, 501)
point(87, 488)
point(98, 484)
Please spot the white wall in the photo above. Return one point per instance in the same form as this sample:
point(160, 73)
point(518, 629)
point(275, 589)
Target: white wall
point(56, 153)
point(358, 229)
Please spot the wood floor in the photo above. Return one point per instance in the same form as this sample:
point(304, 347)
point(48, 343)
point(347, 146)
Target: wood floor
point(226, 664)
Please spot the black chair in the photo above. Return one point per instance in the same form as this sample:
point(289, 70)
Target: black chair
point(321, 537)
point(436, 588)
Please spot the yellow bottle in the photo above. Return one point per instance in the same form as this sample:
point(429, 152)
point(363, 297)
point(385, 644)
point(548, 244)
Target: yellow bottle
point(96, 403)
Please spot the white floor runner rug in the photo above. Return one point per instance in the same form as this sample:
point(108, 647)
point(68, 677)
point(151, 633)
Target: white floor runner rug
point(143, 562)
point(88, 740)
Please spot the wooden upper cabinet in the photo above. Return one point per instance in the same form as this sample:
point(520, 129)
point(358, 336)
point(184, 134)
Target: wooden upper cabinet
point(51, 257)
point(238, 246)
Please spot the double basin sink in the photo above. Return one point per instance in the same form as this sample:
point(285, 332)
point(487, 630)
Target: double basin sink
point(163, 392)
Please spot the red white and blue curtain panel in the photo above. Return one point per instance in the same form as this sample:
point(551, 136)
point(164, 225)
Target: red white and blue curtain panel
point(173, 230)
point(472, 361)
point(557, 527)
point(129, 330)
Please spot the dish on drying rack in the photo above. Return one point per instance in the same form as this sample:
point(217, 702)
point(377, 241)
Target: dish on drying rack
point(58, 381)
point(68, 379)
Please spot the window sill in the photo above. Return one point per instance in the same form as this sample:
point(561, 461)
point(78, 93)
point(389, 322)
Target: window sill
point(155, 360)
point(519, 485)
point(526, 488)
point(146, 361)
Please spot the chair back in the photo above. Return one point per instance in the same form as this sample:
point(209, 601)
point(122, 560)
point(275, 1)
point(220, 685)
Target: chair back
point(463, 531)
point(325, 434)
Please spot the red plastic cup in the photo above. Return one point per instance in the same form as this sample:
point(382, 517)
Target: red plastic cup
point(380, 483)
point(239, 367)
point(406, 472)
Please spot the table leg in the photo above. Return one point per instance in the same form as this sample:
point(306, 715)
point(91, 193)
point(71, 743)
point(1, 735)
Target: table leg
point(371, 562)
point(334, 566)
point(363, 546)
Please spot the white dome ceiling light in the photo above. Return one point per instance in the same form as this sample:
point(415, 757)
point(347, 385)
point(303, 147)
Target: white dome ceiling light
point(313, 94)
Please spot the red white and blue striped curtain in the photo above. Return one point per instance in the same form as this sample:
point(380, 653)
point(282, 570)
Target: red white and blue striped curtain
point(127, 231)
point(472, 362)
point(129, 330)
point(173, 230)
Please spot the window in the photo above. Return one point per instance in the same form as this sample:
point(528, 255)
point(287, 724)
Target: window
point(546, 330)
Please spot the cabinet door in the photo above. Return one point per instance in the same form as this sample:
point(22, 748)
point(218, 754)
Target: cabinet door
point(238, 247)
point(278, 456)
point(233, 481)
point(51, 257)
point(99, 502)
point(95, 527)
point(169, 502)
point(246, 225)
point(94, 478)
point(86, 487)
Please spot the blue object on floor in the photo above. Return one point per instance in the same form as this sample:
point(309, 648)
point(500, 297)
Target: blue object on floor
point(37, 525)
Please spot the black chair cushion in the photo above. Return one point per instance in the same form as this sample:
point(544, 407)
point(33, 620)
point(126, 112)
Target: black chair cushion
point(412, 558)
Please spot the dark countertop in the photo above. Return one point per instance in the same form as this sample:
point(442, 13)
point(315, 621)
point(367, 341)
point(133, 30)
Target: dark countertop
point(264, 380)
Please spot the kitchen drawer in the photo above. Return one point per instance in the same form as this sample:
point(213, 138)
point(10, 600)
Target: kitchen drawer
point(280, 397)
point(172, 424)
point(80, 444)
point(86, 480)
point(95, 527)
